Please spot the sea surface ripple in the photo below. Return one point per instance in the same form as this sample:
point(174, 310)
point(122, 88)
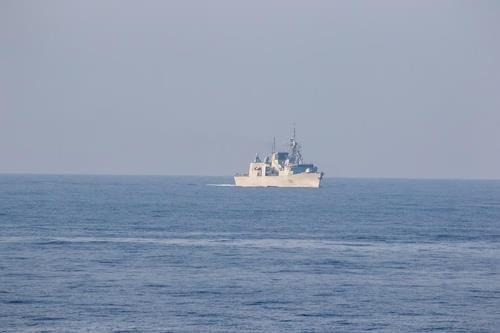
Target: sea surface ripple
point(183, 254)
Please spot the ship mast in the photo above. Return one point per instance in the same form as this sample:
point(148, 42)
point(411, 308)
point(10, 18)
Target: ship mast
point(295, 156)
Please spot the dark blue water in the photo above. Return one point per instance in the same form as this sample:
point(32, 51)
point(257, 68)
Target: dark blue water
point(147, 254)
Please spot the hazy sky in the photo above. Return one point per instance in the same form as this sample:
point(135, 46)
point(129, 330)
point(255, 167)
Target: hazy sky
point(376, 88)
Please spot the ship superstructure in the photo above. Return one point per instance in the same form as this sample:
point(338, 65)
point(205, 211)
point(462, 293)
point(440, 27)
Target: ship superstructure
point(281, 169)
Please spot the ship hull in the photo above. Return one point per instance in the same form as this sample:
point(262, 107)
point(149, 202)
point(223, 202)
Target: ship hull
point(298, 180)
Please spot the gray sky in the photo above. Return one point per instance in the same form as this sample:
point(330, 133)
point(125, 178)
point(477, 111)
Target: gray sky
point(376, 88)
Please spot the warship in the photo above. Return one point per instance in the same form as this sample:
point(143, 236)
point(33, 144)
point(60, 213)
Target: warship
point(281, 169)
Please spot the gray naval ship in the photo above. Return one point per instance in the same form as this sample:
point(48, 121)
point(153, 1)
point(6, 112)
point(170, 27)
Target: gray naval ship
point(281, 169)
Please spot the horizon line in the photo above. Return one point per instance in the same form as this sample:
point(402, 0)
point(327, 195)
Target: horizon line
point(227, 176)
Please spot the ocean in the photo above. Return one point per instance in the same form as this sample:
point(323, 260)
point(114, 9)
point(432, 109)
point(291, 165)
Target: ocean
point(194, 254)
